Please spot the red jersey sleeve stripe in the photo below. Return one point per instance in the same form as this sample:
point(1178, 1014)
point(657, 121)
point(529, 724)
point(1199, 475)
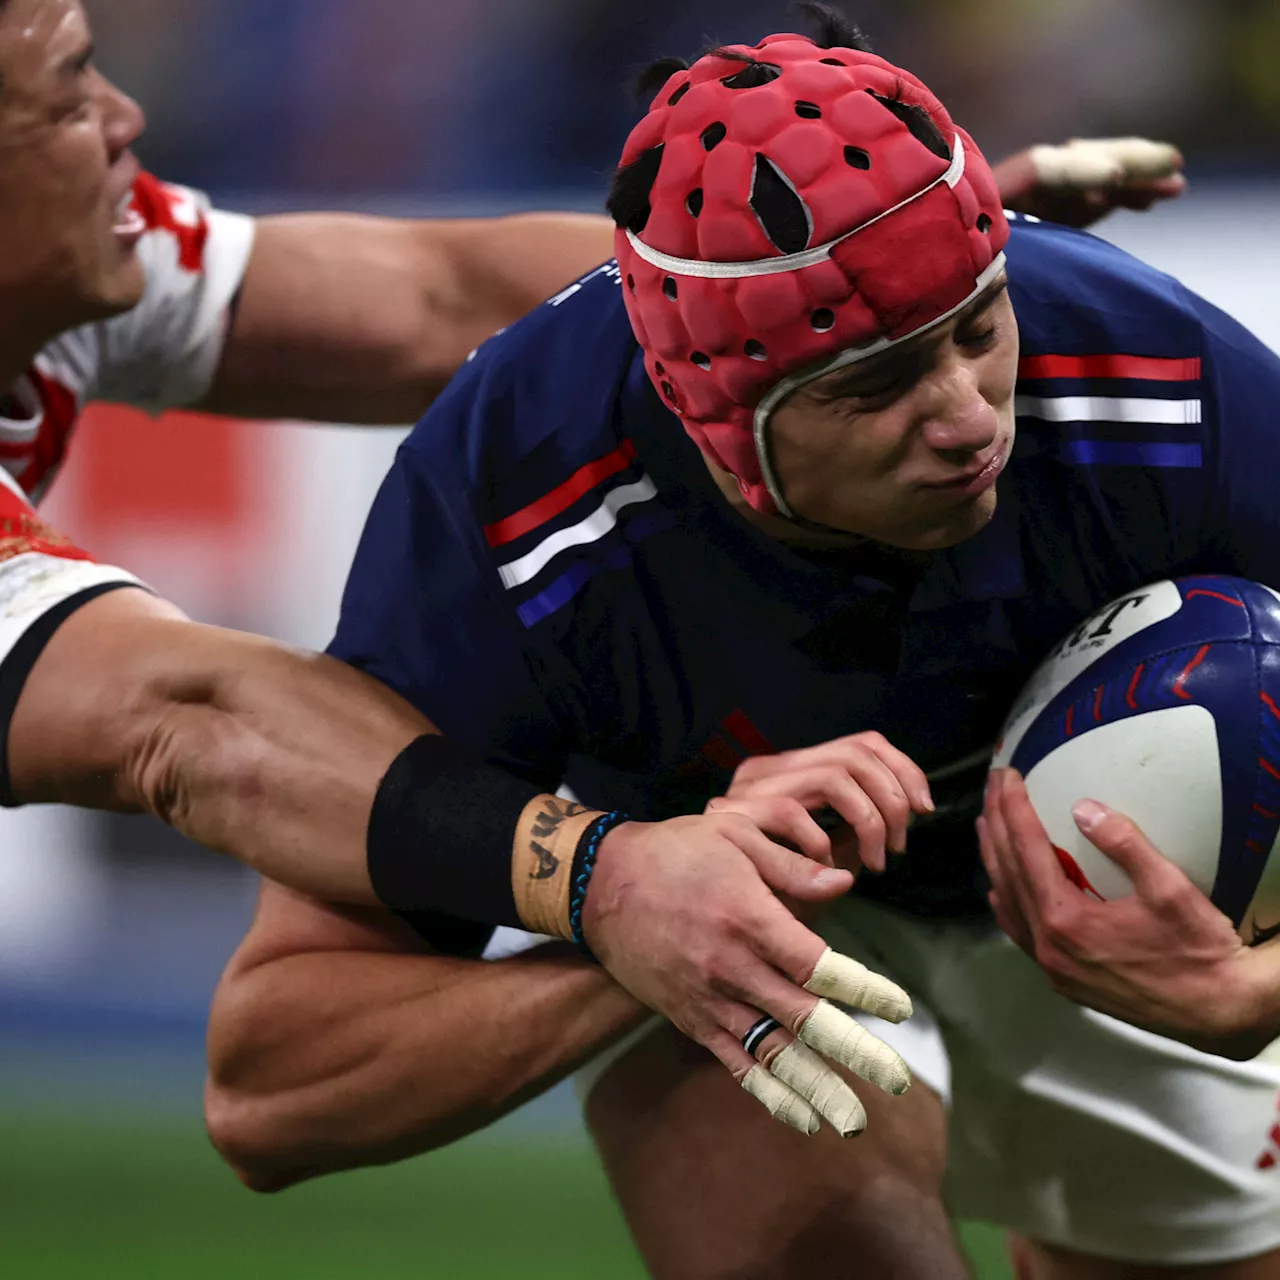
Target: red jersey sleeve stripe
point(1149, 368)
point(561, 497)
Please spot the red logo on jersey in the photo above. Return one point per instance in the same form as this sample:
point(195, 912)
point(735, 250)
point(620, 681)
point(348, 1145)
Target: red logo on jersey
point(1267, 1160)
point(21, 531)
point(173, 210)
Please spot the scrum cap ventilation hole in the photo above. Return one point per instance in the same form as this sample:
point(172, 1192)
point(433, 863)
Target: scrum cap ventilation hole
point(752, 76)
point(783, 215)
point(713, 136)
point(918, 121)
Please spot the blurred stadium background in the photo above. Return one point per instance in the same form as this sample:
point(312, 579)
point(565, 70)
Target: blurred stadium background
point(112, 932)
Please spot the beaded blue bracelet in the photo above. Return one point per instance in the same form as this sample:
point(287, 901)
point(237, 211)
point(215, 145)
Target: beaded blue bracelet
point(584, 863)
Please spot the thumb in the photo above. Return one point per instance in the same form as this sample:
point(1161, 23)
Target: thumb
point(1120, 839)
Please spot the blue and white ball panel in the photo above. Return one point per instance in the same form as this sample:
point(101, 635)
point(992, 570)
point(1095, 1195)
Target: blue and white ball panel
point(1165, 705)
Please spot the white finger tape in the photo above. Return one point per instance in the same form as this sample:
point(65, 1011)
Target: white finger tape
point(780, 1102)
point(1100, 162)
point(835, 1035)
point(837, 977)
point(804, 1071)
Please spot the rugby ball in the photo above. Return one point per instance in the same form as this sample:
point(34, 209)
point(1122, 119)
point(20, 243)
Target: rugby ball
point(1165, 706)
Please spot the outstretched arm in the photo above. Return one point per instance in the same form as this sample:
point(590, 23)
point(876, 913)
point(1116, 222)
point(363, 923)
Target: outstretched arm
point(348, 318)
point(344, 318)
point(264, 752)
point(335, 1042)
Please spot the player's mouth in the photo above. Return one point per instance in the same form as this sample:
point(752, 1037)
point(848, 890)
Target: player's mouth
point(129, 225)
point(975, 480)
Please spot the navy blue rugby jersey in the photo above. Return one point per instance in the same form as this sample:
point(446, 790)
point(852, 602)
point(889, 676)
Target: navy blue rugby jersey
point(551, 576)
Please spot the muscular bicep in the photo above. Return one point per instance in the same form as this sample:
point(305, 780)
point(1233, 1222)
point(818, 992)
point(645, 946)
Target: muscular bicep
point(344, 318)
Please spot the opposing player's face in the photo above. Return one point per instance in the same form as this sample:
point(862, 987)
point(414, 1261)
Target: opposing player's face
point(906, 448)
point(66, 171)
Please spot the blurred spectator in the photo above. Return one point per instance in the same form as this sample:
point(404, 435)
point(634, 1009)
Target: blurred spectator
point(442, 97)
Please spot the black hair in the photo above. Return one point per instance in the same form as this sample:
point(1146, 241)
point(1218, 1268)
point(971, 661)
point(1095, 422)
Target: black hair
point(832, 30)
point(788, 224)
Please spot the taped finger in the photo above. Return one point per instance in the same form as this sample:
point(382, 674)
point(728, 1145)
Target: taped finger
point(839, 977)
point(780, 1101)
point(837, 1036)
point(802, 1070)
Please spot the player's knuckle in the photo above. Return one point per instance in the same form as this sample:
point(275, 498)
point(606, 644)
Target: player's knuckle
point(1175, 902)
point(729, 824)
point(789, 809)
point(1049, 956)
point(896, 807)
point(751, 768)
point(869, 823)
point(1057, 933)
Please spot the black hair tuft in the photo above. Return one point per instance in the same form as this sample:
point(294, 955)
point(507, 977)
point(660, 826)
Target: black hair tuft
point(656, 74)
point(832, 30)
point(628, 202)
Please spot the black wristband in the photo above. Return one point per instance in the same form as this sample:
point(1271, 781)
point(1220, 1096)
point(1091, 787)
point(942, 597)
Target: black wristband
point(441, 833)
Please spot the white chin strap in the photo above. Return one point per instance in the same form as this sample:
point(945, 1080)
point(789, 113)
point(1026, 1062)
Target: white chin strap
point(841, 360)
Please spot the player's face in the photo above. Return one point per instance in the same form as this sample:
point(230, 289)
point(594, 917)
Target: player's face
point(909, 451)
point(66, 171)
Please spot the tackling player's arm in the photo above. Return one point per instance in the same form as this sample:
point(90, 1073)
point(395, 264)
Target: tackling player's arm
point(346, 318)
point(254, 749)
point(343, 318)
point(336, 1041)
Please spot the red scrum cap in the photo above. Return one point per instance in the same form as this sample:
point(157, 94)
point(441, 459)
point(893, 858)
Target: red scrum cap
point(783, 211)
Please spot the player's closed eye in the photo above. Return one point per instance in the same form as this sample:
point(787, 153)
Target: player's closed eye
point(978, 339)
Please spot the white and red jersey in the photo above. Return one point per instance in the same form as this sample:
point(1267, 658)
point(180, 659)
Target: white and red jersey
point(162, 354)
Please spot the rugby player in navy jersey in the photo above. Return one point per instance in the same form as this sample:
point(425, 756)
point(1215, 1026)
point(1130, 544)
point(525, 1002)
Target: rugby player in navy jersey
point(832, 311)
point(117, 286)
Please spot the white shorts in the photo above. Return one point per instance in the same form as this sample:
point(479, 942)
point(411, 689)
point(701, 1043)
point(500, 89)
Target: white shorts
point(1065, 1125)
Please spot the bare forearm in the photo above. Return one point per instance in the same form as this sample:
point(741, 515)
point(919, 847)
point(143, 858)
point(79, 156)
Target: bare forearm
point(253, 749)
point(330, 1061)
point(354, 319)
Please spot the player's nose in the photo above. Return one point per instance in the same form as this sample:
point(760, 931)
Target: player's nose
point(959, 418)
point(123, 119)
